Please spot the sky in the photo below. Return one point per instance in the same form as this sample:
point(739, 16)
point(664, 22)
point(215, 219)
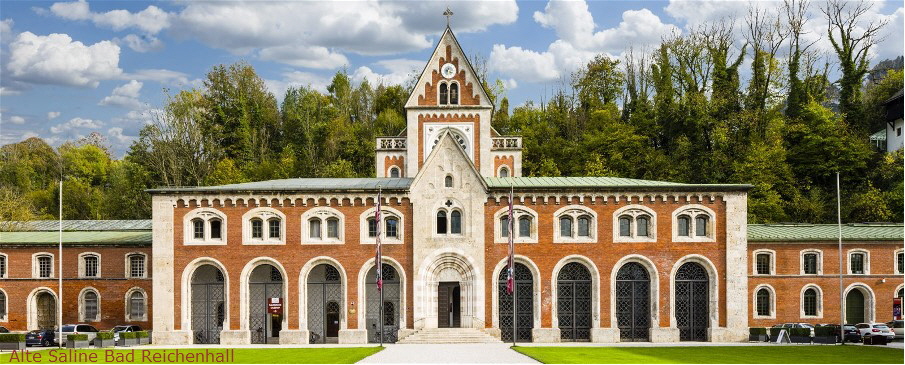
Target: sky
point(71, 68)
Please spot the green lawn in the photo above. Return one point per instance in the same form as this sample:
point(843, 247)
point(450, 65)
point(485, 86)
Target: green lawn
point(334, 355)
point(714, 354)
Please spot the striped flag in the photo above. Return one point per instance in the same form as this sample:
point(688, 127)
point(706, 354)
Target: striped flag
point(377, 260)
point(510, 279)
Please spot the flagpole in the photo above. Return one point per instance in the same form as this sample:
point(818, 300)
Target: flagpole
point(512, 263)
point(60, 272)
point(380, 263)
point(841, 294)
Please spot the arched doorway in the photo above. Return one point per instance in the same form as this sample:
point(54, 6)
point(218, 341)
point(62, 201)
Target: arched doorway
point(265, 285)
point(633, 302)
point(207, 304)
point(46, 309)
point(573, 292)
point(854, 307)
point(524, 310)
point(325, 292)
point(692, 302)
point(391, 302)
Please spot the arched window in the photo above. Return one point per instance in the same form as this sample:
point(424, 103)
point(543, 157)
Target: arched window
point(274, 228)
point(684, 223)
point(504, 171)
point(643, 225)
point(857, 263)
point(2, 266)
point(565, 226)
point(763, 302)
point(257, 228)
point(198, 226)
point(455, 222)
point(454, 94)
point(448, 182)
point(900, 263)
point(394, 172)
point(332, 228)
point(700, 225)
point(524, 226)
point(90, 264)
point(90, 306)
point(810, 302)
point(901, 293)
point(314, 228)
point(441, 222)
point(372, 227)
point(136, 306)
point(693, 223)
point(2, 305)
point(392, 225)
point(810, 263)
point(216, 228)
point(444, 94)
point(584, 226)
point(625, 226)
point(504, 226)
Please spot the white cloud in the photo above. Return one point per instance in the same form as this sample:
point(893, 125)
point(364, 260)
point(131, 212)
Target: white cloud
point(76, 123)
point(52, 115)
point(146, 43)
point(151, 20)
point(400, 71)
point(695, 13)
point(15, 119)
point(116, 135)
point(57, 59)
point(163, 76)
point(303, 56)
point(523, 64)
point(6, 30)
point(125, 96)
point(510, 84)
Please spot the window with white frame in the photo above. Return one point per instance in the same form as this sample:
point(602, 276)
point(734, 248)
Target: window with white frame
point(322, 225)
point(42, 266)
point(394, 171)
point(3, 306)
point(574, 224)
point(858, 262)
point(136, 305)
point(391, 230)
point(504, 171)
point(263, 226)
point(811, 302)
point(764, 262)
point(204, 226)
point(763, 304)
point(634, 223)
point(89, 302)
point(523, 227)
point(811, 262)
point(90, 265)
point(135, 265)
point(3, 268)
point(900, 262)
point(694, 223)
point(449, 221)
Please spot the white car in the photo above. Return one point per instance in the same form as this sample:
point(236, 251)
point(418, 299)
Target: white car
point(896, 328)
point(77, 329)
point(875, 329)
point(124, 328)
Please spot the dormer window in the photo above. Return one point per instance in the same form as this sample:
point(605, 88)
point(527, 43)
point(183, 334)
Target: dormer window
point(444, 93)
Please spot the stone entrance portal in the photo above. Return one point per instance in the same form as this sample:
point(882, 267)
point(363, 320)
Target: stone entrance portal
point(449, 299)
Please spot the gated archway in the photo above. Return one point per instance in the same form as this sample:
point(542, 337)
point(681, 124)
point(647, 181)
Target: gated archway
point(47, 310)
point(264, 286)
point(524, 310)
point(325, 292)
point(573, 291)
point(692, 301)
point(633, 302)
point(207, 304)
point(854, 306)
point(391, 304)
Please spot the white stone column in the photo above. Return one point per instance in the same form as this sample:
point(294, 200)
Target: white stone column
point(162, 218)
point(736, 270)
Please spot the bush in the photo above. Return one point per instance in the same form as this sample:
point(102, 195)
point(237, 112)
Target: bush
point(825, 331)
point(105, 335)
point(127, 335)
point(756, 331)
point(141, 334)
point(12, 337)
point(80, 337)
point(774, 331)
point(800, 332)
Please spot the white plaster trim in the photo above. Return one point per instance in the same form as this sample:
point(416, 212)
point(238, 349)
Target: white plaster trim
point(385, 212)
point(517, 212)
point(713, 290)
point(772, 254)
point(128, 306)
point(895, 294)
point(499, 171)
point(186, 297)
point(244, 312)
point(128, 265)
point(362, 286)
point(398, 171)
point(693, 211)
point(819, 261)
point(869, 300)
point(635, 210)
point(536, 279)
point(303, 290)
point(83, 305)
point(206, 215)
point(83, 267)
point(819, 300)
point(32, 305)
point(323, 213)
point(265, 214)
point(35, 268)
point(654, 288)
point(772, 292)
point(848, 260)
point(575, 211)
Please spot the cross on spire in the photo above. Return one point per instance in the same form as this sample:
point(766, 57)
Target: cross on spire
point(448, 13)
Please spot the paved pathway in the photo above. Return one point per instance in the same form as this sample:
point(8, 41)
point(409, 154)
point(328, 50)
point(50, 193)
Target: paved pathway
point(472, 353)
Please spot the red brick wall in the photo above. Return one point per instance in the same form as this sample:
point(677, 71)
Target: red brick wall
point(467, 92)
point(508, 161)
point(390, 161)
point(112, 286)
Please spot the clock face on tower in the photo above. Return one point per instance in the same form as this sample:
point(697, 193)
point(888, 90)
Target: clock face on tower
point(448, 70)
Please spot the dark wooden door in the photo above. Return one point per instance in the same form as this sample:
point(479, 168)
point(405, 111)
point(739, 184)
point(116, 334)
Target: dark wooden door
point(448, 305)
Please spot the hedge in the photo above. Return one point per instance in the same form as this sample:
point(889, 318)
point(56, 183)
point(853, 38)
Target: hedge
point(774, 331)
point(801, 332)
point(105, 335)
point(79, 337)
point(756, 331)
point(825, 331)
point(141, 334)
point(12, 337)
point(127, 335)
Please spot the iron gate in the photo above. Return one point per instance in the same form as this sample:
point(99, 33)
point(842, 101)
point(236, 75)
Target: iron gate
point(207, 304)
point(854, 306)
point(47, 311)
point(633, 302)
point(391, 303)
point(266, 282)
point(692, 302)
point(324, 286)
point(573, 287)
point(524, 312)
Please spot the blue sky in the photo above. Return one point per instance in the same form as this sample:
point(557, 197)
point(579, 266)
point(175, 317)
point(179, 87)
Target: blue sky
point(75, 67)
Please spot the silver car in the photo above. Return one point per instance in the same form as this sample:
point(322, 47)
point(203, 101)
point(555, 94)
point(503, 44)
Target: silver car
point(875, 329)
point(77, 329)
point(896, 328)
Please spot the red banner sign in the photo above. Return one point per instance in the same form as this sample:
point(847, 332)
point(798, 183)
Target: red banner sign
point(275, 306)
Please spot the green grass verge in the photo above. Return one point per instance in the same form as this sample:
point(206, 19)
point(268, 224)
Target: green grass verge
point(333, 355)
point(715, 355)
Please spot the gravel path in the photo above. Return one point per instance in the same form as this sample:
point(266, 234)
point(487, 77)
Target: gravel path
point(473, 353)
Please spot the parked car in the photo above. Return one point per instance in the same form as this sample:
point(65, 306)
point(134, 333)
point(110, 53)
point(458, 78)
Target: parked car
point(124, 328)
point(875, 329)
point(44, 338)
point(896, 328)
point(797, 325)
point(76, 329)
point(3, 330)
point(851, 332)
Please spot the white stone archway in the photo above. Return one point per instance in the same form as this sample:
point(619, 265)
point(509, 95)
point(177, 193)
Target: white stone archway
point(32, 305)
point(186, 297)
point(361, 303)
point(713, 288)
point(869, 301)
point(536, 278)
point(450, 266)
point(303, 291)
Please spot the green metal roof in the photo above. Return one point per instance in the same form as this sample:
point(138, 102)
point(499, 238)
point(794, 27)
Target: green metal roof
point(603, 182)
point(301, 184)
point(77, 225)
point(80, 237)
point(880, 135)
point(826, 232)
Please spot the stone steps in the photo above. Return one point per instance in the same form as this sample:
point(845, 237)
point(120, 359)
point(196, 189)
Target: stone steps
point(449, 335)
